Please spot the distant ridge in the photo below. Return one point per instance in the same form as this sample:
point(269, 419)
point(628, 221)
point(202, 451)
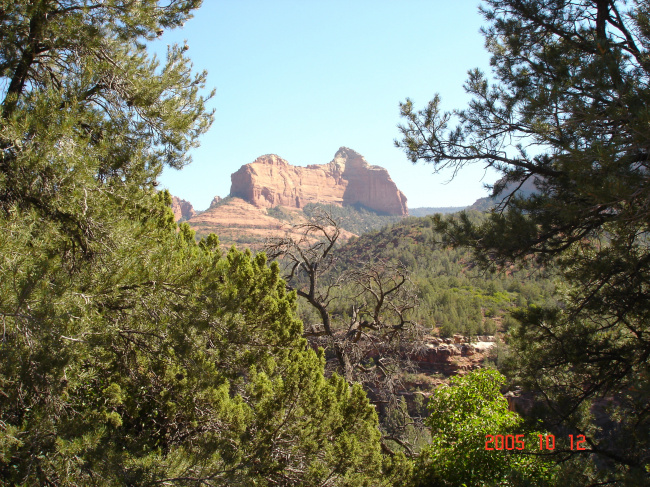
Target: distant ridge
point(486, 203)
point(426, 210)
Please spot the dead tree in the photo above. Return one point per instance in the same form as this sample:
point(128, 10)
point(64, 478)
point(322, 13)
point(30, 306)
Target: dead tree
point(364, 309)
point(306, 260)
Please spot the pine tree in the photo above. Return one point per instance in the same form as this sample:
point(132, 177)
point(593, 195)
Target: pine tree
point(569, 113)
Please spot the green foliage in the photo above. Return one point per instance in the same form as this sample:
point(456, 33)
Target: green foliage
point(166, 360)
point(569, 114)
point(454, 296)
point(130, 353)
point(461, 415)
point(279, 213)
point(88, 118)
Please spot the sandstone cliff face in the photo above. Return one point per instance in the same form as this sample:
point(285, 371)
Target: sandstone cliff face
point(369, 185)
point(182, 209)
point(348, 179)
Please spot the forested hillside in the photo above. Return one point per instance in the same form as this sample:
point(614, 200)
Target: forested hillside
point(353, 218)
point(382, 307)
point(454, 295)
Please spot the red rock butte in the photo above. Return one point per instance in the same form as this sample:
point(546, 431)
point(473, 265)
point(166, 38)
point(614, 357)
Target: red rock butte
point(182, 209)
point(347, 180)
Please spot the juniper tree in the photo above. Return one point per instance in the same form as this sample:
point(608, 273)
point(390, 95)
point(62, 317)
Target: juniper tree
point(568, 111)
point(130, 354)
point(81, 96)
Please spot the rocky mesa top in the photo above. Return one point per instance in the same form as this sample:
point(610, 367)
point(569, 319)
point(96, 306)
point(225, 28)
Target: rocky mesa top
point(348, 179)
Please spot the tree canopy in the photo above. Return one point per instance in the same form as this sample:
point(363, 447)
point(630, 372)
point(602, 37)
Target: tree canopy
point(568, 111)
point(87, 114)
point(131, 354)
point(477, 441)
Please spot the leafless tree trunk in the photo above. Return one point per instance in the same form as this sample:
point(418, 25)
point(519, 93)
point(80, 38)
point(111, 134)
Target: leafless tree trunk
point(364, 310)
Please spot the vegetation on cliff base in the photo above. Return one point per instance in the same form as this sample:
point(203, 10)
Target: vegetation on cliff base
point(355, 218)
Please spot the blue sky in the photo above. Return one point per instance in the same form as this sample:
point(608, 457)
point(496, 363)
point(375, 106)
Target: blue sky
point(301, 78)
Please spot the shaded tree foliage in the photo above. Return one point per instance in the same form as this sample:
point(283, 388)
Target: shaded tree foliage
point(569, 111)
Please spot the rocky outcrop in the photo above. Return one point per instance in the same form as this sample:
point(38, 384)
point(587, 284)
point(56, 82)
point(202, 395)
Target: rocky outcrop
point(215, 201)
point(348, 179)
point(182, 209)
point(452, 355)
point(523, 190)
point(370, 186)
